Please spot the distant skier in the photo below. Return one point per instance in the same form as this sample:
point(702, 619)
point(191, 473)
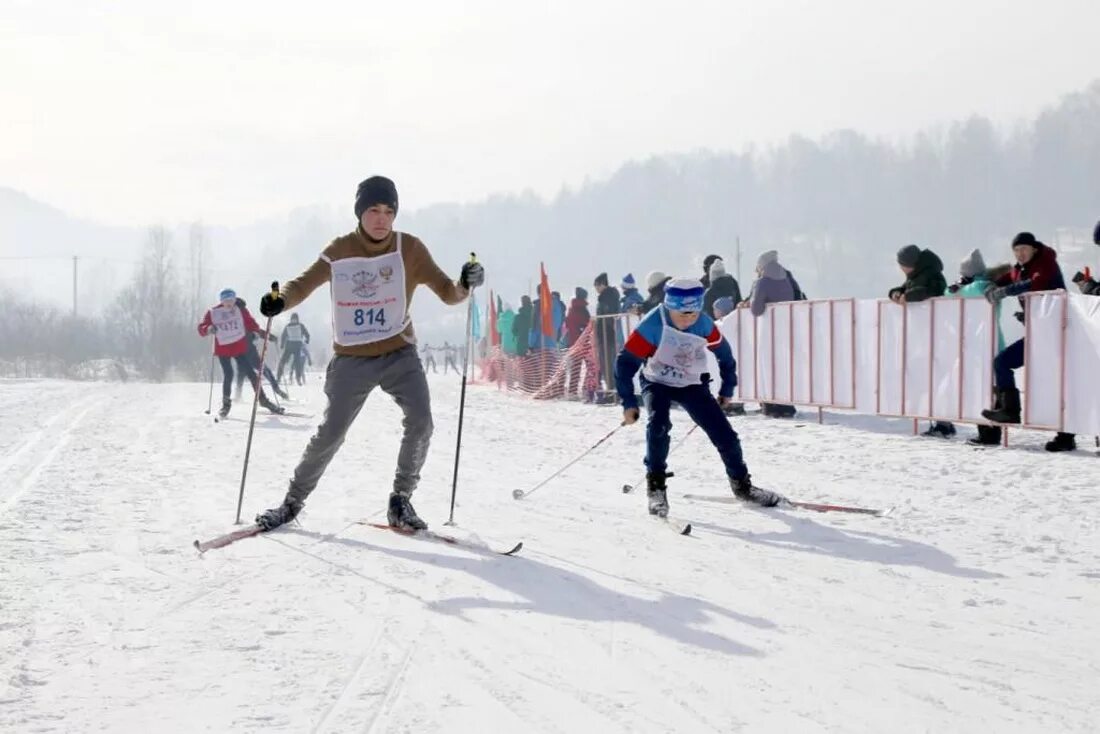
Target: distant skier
point(232, 326)
point(299, 365)
point(373, 273)
point(450, 353)
point(294, 337)
point(428, 359)
point(670, 347)
point(254, 358)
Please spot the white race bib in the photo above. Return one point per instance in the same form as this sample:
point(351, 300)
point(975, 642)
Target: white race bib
point(368, 298)
point(228, 324)
point(293, 332)
point(681, 358)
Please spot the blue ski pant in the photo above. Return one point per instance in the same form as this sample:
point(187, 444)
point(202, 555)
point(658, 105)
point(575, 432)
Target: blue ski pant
point(704, 410)
point(1010, 358)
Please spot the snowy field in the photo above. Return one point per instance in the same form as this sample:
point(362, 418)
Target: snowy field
point(974, 607)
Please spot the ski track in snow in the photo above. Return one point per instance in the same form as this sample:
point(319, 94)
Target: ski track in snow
point(970, 608)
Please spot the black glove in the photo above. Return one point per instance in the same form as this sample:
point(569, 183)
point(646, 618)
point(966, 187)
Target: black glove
point(953, 288)
point(272, 306)
point(995, 295)
point(1019, 316)
point(473, 275)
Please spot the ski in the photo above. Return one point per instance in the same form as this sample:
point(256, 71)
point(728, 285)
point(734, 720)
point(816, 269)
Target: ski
point(449, 539)
point(223, 540)
point(680, 528)
point(794, 504)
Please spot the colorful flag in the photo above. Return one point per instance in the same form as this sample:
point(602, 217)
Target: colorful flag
point(546, 305)
point(475, 318)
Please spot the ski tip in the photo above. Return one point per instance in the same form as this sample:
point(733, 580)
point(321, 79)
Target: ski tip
point(515, 550)
point(686, 530)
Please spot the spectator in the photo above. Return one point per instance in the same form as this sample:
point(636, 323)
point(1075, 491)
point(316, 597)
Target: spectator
point(773, 256)
point(773, 285)
point(924, 279)
point(655, 282)
point(1085, 283)
point(577, 318)
point(723, 307)
point(722, 285)
point(632, 300)
point(521, 325)
point(559, 317)
point(974, 278)
point(923, 276)
point(607, 329)
point(506, 319)
point(707, 262)
point(1036, 269)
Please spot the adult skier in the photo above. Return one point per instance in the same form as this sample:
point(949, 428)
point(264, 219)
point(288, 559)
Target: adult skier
point(373, 273)
point(670, 347)
point(232, 326)
point(294, 337)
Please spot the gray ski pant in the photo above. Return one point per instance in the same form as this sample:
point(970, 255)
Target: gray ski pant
point(348, 382)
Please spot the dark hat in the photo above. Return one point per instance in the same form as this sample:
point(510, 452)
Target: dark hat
point(708, 261)
point(375, 190)
point(1025, 238)
point(908, 256)
point(293, 317)
point(1096, 234)
point(582, 294)
point(601, 279)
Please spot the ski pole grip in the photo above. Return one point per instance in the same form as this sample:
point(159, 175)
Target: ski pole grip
point(274, 289)
point(473, 257)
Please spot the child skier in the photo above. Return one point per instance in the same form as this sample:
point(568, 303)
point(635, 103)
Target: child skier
point(669, 346)
point(232, 326)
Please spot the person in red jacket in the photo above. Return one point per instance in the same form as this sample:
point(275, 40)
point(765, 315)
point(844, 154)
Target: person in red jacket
point(576, 320)
point(231, 325)
point(1036, 269)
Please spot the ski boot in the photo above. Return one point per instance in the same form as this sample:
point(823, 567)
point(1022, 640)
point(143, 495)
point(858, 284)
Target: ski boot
point(272, 407)
point(401, 514)
point(657, 493)
point(281, 515)
point(226, 405)
point(743, 490)
point(1062, 442)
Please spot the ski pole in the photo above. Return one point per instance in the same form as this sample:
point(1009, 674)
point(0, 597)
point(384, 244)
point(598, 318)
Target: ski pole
point(520, 494)
point(210, 397)
point(462, 399)
point(628, 488)
point(259, 385)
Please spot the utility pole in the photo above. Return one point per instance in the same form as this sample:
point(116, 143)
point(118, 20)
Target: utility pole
point(74, 285)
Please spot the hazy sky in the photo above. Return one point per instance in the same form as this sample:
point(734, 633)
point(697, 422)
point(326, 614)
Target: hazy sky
point(140, 111)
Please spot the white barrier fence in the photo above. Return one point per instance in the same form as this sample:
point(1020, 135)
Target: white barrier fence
point(930, 360)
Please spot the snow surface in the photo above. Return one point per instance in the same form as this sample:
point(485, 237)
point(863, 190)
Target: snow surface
point(973, 607)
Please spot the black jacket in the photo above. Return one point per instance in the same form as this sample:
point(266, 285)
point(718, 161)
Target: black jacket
point(721, 287)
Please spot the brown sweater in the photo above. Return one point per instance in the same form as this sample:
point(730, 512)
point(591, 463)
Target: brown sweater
point(420, 268)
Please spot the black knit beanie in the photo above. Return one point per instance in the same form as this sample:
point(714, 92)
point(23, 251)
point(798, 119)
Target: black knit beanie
point(1025, 238)
point(601, 279)
point(1096, 234)
point(375, 190)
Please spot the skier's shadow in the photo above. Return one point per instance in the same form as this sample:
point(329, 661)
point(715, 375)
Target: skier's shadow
point(555, 591)
point(808, 536)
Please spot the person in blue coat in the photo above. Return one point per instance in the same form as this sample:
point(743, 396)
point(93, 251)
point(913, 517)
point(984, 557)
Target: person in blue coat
point(632, 300)
point(670, 346)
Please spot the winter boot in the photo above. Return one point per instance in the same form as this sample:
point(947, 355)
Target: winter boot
point(272, 407)
point(940, 429)
point(987, 436)
point(1009, 411)
point(657, 493)
point(281, 515)
point(1062, 442)
point(401, 514)
point(743, 490)
point(734, 409)
point(226, 405)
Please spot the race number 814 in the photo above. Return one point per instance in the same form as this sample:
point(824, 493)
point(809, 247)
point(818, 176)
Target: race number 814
point(370, 316)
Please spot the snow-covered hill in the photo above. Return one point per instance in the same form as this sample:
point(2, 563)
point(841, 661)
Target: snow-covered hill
point(973, 607)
